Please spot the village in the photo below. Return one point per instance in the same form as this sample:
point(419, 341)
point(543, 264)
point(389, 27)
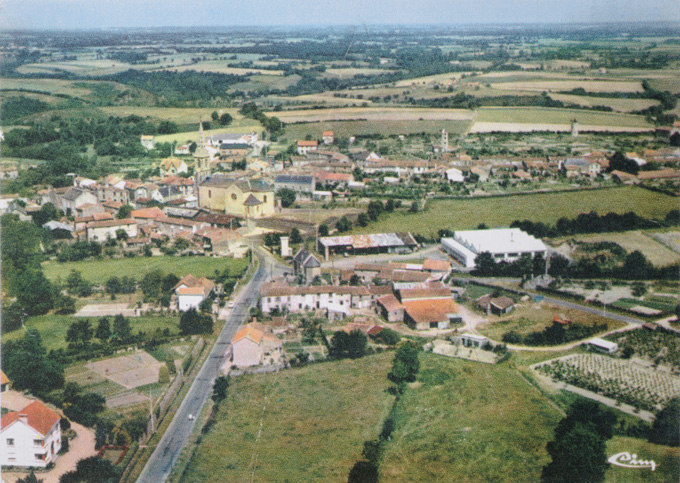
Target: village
point(393, 270)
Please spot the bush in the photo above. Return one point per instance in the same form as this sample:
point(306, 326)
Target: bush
point(163, 374)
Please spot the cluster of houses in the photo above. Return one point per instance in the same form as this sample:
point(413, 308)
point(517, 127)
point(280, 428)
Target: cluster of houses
point(400, 292)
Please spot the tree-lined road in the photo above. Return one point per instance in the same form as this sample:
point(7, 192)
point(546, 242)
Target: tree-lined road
point(160, 464)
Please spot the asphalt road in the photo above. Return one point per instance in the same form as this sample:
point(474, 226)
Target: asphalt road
point(160, 464)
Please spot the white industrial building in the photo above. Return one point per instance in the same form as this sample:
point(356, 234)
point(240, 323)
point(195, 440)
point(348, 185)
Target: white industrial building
point(505, 244)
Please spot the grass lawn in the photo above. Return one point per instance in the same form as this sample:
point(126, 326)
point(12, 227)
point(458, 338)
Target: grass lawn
point(466, 214)
point(665, 457)
point(530, 317)
point(53, 328)
point(174, 114)
point(469, 422)
point(98, 271)
point(314, 424)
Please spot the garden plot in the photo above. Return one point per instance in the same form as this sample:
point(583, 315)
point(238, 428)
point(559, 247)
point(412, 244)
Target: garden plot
point(622, 380)
point(130, 371)
point(671, 239)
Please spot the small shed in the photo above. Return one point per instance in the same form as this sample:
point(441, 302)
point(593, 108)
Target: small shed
point(602, 345)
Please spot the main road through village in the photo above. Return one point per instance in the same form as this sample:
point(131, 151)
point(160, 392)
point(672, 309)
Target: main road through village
point(160, 463)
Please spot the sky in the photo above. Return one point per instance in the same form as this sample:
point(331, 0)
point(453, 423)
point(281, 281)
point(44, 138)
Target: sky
point(88, 14)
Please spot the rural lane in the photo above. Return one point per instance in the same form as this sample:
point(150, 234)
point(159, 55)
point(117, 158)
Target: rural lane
point(159, 465)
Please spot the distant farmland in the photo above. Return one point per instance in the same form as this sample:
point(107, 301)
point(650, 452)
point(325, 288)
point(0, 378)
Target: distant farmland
point(466, 214)
point(373, 114)
point(385, 128)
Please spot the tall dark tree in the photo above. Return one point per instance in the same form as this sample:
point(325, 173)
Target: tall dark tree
point(405, 365)
point(666, 427)
point(26, 363)
point(103, 331)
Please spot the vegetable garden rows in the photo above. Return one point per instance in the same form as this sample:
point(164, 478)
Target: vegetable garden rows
point(618, 379)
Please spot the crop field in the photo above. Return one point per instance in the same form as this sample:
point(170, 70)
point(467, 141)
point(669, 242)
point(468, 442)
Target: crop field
point(619, 105)
point(529, 317)
point(373, 114)
point(659, 346)
point(313, 423)
point(622, 380)
point(468, 422)
point(652, 249)
point(53, 328)
point(567, 85)
point(385, 128)
point(52, 86)
point(98, 271)
point(222, 67)
point(467, 214)
point(176, 114)
point(544, 115)
point(666, 458)
point(78, 67)
point(351, 72)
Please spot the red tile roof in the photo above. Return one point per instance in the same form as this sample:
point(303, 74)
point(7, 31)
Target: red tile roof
point(153, 212)
point(430, 310)
point(39, 417)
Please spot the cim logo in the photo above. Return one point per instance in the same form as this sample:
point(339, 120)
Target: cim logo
point(627, 460)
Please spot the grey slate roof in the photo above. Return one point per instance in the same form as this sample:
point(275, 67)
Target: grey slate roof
point(293, 179)
point(234, 146)
point(244, 185)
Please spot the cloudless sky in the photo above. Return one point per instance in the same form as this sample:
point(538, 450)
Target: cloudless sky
point(159, 13)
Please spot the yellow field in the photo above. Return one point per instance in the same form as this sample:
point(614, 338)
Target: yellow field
point(351, 72)
point(80, 67)
point(543, 115)
point(567, 85)
point(221, 67)
point(53, 86)
point(441, 78)
point(620, 105)
point(184, 137)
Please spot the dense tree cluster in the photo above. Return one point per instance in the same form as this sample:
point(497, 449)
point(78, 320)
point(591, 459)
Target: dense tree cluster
point(578, 451)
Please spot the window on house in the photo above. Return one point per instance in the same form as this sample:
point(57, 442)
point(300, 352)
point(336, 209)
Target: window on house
point(233, 196)
point(265, 198)
point(39, 456)
point(209, 193)
point(10, 441)
point(37, 442)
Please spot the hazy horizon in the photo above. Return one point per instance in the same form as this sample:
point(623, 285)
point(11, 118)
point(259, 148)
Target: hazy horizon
point(102, 14)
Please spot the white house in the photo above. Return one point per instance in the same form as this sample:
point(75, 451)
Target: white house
point(30, 437)
point(191, 291)
point(506, 244)
point(4, 382)
point(253, 346)
point(454, 175)
point(190, 297)
point(106, 229)
point(304, 147)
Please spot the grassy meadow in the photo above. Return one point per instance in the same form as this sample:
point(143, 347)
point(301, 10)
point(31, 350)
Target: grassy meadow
point(313, 423)
point(385, 128)
point(666, 459)
point(99, 271)
point(469, 422)
point(53, 328)
point(467, 214)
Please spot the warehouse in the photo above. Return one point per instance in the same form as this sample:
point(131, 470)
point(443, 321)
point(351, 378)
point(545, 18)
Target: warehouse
point(505, 244)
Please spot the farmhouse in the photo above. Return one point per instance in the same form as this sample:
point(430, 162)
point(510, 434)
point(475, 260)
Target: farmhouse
point(235, 149)
point(365, 244)
point(147, 141)
point(328, 137)
point(423, 314)
point(506, 244)
point(302, 299)
point(231, 138)
point(253, 346)
point(497, 305)
point(30, 437)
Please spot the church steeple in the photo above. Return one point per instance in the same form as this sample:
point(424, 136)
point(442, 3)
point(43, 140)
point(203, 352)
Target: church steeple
point(201, 136)
point(201, 157)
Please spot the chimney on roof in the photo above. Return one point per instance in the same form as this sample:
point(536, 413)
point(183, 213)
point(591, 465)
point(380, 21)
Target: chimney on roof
point(23, 418)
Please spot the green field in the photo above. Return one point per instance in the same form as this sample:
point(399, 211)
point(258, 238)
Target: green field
point(385, 128)
point(314, 423)
point(666, 458)
point(53, 328)
point(469, 422)
point(500, 212)
point(99, 271)
point(543, 115)
point(176, 114)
